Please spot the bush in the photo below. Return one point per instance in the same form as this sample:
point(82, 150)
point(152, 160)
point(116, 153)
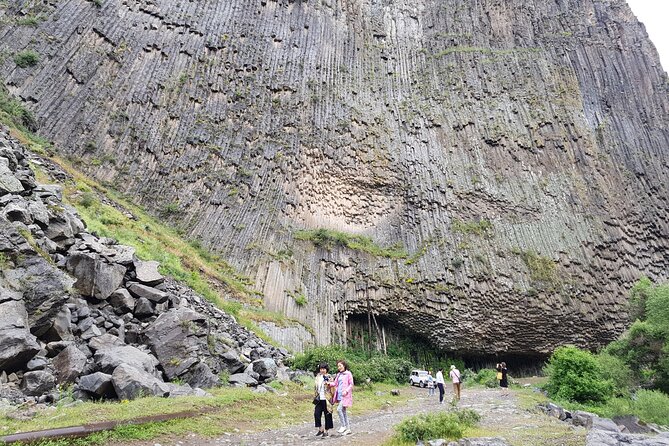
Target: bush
point(652, 406)
point(375, 367)
point(425, 427)
point(485, 377)
point(615, 370)
point(27, 58)
point(574, 375)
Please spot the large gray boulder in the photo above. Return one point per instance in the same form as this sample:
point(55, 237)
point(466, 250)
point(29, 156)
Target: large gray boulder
point(173, 338)
point(265, 367)
point(110, 357)
point(232, 361)
point(242, 379)
point(122, 301)
point(8, 182)
point(200, 375)
point(147, 272)
point(17, 344)
point(130, 383)
point(61, 328)
point(95, 277)
point(37, 383)
point(45, 290)
point(98, 384)
point(69, 364)
point(147, 292)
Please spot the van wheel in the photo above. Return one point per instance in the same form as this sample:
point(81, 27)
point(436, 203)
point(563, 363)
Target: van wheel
point(422, 384)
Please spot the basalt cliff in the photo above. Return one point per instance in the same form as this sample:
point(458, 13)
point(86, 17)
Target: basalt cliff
point(491, 176)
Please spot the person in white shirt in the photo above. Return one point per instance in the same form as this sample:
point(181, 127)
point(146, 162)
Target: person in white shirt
point(455, 377)
point(440, 384)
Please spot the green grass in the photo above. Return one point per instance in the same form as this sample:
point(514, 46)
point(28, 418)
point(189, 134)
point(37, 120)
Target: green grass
point(228, 409)
point(479, 228)
point(542, 269)
point(329, 239)
point(26, 58)
point(651, 406)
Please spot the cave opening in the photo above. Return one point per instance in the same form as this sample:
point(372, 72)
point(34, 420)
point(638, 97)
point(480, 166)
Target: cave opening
point(381, 334)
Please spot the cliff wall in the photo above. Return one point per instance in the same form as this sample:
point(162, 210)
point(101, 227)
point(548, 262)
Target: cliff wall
point(517, 150)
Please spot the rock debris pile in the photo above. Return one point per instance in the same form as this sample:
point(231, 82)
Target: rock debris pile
point(81, 310)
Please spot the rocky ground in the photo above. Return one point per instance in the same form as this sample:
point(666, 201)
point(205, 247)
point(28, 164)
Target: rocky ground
point(510, 419)
point(503, 417)
point(83, 312)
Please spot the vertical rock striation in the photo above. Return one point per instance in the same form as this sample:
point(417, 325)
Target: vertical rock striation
point(518, 151)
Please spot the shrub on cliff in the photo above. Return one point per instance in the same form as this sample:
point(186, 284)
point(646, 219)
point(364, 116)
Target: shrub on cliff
point(574, 375)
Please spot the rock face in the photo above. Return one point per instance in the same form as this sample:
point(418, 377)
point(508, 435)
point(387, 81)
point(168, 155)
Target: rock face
point(86, 330)
point(517, 151)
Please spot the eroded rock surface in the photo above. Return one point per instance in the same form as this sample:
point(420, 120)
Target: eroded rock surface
point(517, 150)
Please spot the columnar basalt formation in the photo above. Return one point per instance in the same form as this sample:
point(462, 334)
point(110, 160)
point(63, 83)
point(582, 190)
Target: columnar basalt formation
point(517, 150)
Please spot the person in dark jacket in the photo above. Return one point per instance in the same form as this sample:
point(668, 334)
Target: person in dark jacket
point(504, 381)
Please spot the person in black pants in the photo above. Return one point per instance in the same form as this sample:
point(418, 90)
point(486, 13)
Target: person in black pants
point(440, 384)
point(323, 405)
point(504, 381)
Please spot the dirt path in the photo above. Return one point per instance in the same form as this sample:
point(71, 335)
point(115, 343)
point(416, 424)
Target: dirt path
point(502, 416)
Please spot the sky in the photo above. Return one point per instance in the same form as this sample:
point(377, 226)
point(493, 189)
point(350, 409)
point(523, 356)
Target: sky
point(654, 14)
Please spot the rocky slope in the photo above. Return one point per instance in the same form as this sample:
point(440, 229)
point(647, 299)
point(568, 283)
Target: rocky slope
point(80, 310)
point(517, 150)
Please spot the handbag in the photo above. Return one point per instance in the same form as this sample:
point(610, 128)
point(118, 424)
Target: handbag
point(316, 401)
point(499, 376)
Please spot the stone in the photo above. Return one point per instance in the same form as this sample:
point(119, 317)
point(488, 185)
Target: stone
point(232, 361)
point(266, 368)
point(17, 212)
point(37, 383)
point(243, 379)
point(18, 344)
point(37, 363)
point(632, 424)
point(61, 328)
point(98, 384)
point(95, 277)
point(172, 337)
point(45, 290)
point(144, 307)
point(110, 357)
point(69, 364)
point(147, 292)
point(105, 341)
point(122, 301)
point(130, 383)
point(200, 375)
point(147, 273)
point(8, 182)
point(92, 332)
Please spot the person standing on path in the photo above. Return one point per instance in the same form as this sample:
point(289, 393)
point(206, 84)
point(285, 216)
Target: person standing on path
point(343, 384)
point(324, 407)
point(504, 380)
point(455, 377)
point(430, 384)
point(440, 384)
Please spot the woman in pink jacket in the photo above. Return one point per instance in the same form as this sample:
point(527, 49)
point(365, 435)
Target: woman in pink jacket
point(343, 384)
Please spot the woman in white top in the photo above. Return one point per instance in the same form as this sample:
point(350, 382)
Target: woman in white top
point(323, 406)
point(440, 384)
